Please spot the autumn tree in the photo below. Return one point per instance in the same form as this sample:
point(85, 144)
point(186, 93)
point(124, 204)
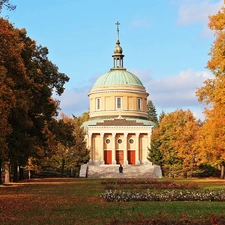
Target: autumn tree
point(81, 153)
point(65, 138)
point(6, 103)
point(175, 138)
point(32, 78)
point(213, 95)
point(151, 110)
point(70, 147)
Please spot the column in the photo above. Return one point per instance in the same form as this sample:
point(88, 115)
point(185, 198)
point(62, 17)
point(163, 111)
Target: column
point(145, 155)
point(149, 140)
point(137, 149)
point(101, 150)
point(125, 149)
point(90, 146)
point(113, 148)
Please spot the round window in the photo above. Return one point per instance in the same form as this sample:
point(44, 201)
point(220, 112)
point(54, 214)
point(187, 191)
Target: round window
point(131, 141)
point(107, 141)
point(119, 141)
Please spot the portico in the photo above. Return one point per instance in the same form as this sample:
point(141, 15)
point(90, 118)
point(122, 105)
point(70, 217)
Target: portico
point(119, 145)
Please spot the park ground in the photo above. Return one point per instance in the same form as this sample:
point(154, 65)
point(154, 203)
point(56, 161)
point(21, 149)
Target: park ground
point(78, 201)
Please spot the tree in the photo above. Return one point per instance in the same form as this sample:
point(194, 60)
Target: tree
point(213, 94)
point(32, 78)
point(174, 138)
point(83, 118)
point(152, 114)
point(69, 146)
point(81, 153)
point(7, 5)
point(6, 103)
point(65, 138)
point(162, 114)
point(154, 154)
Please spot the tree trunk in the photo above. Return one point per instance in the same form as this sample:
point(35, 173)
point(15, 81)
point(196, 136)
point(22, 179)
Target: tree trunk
point(185, 174)
point(0, 171)
point(7, 173)
point(62, 169)
point(15, 175)
point(21, 175)
point(222, 175)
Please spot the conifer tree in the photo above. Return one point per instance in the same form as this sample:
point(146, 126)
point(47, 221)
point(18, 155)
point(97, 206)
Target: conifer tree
point(152, 114)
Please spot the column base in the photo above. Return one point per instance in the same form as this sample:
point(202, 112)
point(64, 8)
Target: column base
point(138, 162)
point(125, 162)
point(146, 162)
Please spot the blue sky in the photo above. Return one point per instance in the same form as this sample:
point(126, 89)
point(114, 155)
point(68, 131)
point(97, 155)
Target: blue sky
point(165, 43)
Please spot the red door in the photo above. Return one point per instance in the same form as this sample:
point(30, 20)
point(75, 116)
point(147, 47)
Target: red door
point(131, 157)
point(119, 157)
point(108, 156)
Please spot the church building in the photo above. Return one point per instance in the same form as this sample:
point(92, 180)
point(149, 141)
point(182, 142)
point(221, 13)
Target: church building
point(118, 130)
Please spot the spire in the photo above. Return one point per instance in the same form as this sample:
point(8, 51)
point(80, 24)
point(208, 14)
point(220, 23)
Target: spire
point(118, 56)
point(118, 31)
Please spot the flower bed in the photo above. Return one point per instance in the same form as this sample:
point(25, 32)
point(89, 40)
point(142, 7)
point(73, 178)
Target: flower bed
point(163, 195)
point(145, 184)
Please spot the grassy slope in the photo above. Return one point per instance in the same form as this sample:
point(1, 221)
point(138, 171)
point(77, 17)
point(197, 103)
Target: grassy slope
point(77, 201)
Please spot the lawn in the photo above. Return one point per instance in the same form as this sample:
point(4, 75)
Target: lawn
point(77, 201)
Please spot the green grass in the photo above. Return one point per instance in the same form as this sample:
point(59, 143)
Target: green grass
point(77, 201)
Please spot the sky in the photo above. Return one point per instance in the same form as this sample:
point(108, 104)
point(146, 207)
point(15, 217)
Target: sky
point(165, 43)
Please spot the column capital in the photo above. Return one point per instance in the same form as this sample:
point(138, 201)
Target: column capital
point(102, 134)
point(137, 134)
point(125, 134)
point(89, 135)
point(113, 135)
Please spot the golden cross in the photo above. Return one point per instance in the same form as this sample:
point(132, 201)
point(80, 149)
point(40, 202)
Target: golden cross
point(117, 24)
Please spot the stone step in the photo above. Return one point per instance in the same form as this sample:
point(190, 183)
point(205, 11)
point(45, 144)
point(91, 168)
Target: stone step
point(129, 171)
point(83, 171)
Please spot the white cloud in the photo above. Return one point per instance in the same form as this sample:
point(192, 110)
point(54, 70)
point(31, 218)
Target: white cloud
point(175, 92)
point(144, 22)
point(194, 11)
point(168, 93)
point(199, 115)
point(74, 101)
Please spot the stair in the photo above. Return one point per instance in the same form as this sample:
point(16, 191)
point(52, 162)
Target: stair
point(129, 171)
point(83, 171)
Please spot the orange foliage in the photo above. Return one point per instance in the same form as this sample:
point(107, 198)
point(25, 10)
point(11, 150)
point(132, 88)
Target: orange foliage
point(177, 133)
point(212, 143)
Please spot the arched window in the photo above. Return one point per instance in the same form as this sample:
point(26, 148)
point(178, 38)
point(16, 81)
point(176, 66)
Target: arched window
point(98, 103)
point(139, 103)
point(118, 102)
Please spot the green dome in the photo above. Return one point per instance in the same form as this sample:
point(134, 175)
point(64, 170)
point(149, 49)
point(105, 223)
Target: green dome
point(117, 77)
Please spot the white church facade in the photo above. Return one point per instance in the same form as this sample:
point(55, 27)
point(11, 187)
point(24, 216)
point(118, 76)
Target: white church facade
point(118, 130)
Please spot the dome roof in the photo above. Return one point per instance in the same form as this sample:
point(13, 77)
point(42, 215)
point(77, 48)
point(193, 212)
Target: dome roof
point(118, 77)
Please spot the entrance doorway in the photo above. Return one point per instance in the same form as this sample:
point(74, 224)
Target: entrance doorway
point(108, 156)
point(131, 157)
point(119, 157)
